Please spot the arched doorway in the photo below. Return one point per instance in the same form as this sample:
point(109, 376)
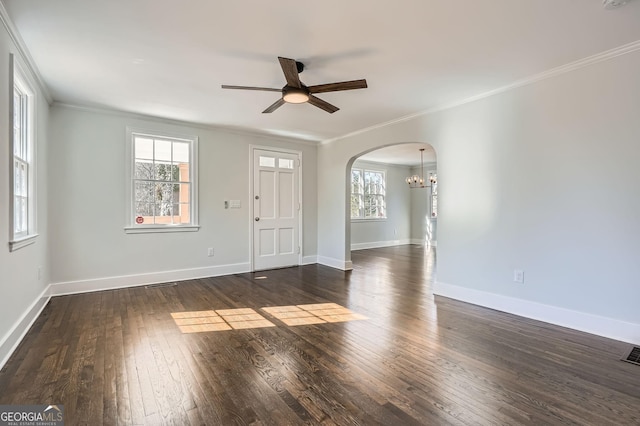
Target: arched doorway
point(383, 209)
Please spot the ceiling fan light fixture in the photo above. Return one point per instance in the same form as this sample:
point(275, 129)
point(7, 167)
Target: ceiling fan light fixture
point(295, 96)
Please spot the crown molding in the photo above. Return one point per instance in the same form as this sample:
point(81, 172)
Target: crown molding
point(23, 51)
point(174, 122)
point(563, 69)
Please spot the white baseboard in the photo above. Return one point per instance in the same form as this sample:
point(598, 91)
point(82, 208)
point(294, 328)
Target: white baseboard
point(589, 323)
point(12, 339)
point(378, 244)
point(110, 283)
point(420, 242)
point(335, 263)
point(309, 260)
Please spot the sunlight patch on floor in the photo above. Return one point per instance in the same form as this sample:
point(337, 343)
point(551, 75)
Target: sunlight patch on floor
point(220, 320)
point(312, 314)
point(246, 318)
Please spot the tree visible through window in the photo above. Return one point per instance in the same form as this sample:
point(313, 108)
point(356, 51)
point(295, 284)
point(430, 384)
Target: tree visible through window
point(368, 192)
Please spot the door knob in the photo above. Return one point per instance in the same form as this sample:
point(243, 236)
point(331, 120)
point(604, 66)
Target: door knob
point(257, 219)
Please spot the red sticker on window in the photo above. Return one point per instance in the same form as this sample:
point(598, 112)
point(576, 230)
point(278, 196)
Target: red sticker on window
point(139, 220)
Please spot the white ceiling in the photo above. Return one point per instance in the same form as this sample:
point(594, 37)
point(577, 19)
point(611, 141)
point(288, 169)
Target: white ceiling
point(407, 154)
point(168, 59)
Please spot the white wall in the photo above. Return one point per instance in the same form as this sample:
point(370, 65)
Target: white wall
point(21, 291)
point(543, 177)
point(88, 204)
point(396, 228)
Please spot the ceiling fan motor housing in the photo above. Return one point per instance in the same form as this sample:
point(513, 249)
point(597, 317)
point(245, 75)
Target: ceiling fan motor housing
point(295, 95)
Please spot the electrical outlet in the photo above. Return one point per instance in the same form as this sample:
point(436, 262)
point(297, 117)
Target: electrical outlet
point(518, 276)
point(210, 251)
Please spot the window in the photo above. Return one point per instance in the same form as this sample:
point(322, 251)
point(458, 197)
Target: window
point(368, 191)
point(162, 183)
point(22, 180)
point(434, 194)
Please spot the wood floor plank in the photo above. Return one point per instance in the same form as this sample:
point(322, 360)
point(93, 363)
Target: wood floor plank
point(119, 358)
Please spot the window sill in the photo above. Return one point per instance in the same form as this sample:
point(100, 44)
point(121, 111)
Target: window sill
point(160, 229)
point(22, 242)
point(369, 220)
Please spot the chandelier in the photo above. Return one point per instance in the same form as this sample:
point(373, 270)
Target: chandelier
point(418, 181)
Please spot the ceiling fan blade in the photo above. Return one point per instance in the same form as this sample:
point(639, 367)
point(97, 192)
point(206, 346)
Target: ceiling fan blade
point(290, 70)
point(322, 104)
point(335, 87)
point(266, 89)
point(277, 104)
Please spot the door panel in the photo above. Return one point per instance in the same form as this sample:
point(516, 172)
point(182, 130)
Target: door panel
point(286, 196)
point(285, 237)
point(276, 209)
point(268, 194)
point(267, 242)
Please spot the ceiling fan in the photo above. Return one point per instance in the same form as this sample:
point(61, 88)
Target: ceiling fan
point(295, 92)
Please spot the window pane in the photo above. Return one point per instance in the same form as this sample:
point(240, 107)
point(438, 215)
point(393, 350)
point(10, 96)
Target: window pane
point(20, 178)
point(164, 209)
point(162, 151)
point(144, 169)
point(181, 195)
point(356, 205)
point(17, 124)
point(17, 218)
point(144, 192)
point(180, 152)
point(17, 178)
point(143, 148)
point(24, 179)
point(356, 181)
point(267, 161)
point(381, 211)
point(144, 209)
point(164, 193)
point(17, 148)
point(182, 215)
point(166, 172)
point(20, 219)
point(285, 163)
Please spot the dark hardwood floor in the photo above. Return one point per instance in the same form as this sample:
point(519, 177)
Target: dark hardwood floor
point(119, 357)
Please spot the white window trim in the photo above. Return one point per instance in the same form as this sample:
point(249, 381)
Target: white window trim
point(133, 228)
point(19, 76)
point(370, 219)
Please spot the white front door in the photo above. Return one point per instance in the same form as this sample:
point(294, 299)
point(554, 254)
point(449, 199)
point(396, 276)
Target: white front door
point(276, 209)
